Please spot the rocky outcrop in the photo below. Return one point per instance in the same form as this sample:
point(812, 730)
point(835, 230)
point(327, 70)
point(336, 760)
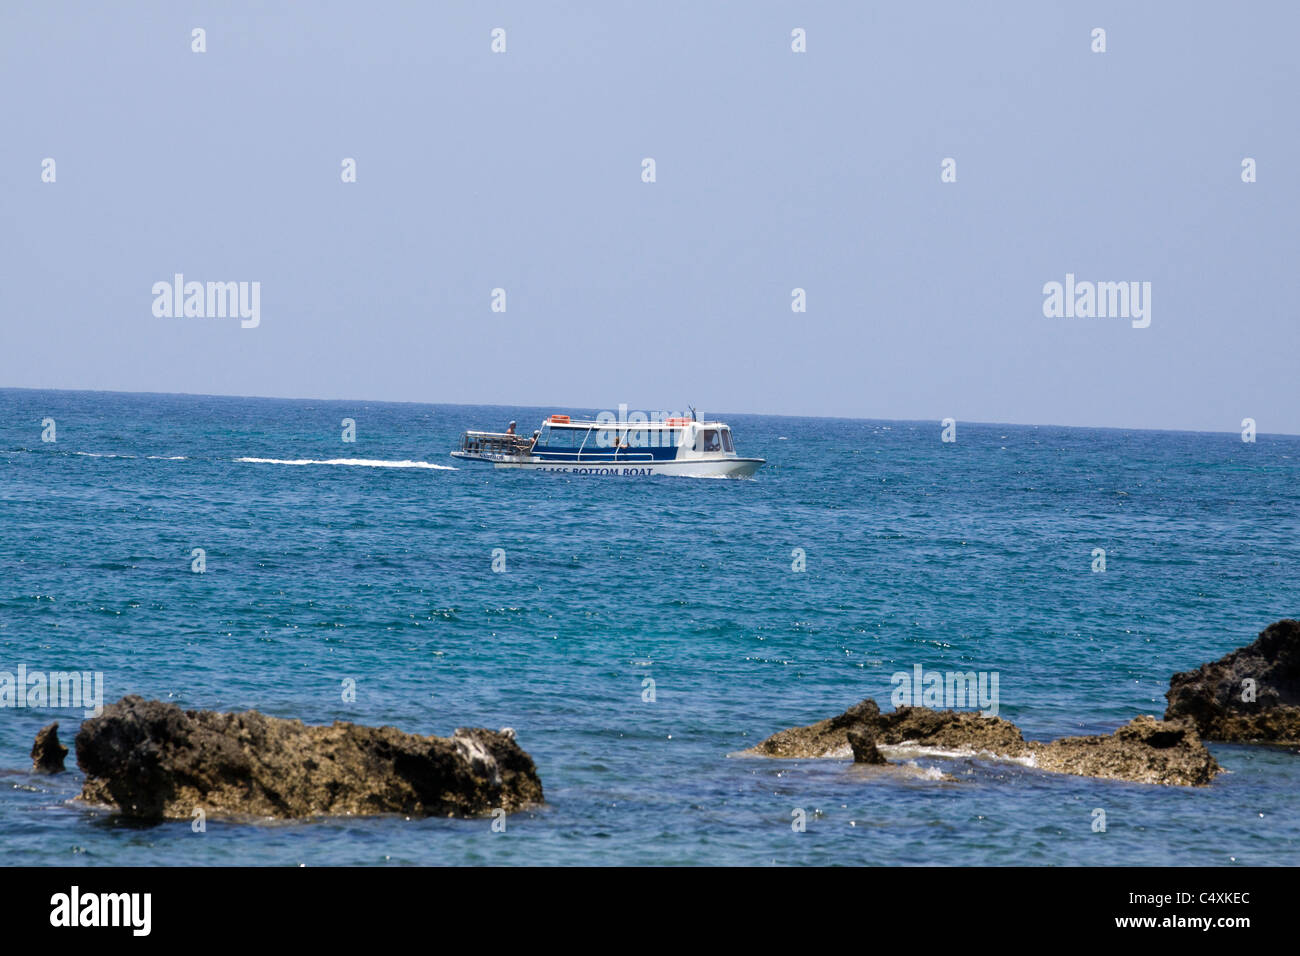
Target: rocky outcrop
point(152, 760)
point(1144, 751)
point(1251, 694)
point(951, 730)
point(826, 738)
point(946, 730)
point(47, 752)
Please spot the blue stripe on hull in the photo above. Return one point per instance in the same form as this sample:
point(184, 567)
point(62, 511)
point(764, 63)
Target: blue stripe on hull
point(630, 457)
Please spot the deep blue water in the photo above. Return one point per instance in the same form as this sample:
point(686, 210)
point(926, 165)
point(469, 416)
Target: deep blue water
point(974, 555)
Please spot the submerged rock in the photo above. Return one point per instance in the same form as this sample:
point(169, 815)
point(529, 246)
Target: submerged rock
point(47, 752)
point(1144, 751)
point(152, 760)
point(1251, 694)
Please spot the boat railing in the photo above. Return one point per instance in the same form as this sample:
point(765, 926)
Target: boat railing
point(608, 453)
point(495, 446)
point(623, 425)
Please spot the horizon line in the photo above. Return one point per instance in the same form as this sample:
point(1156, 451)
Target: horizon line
point(850, 418)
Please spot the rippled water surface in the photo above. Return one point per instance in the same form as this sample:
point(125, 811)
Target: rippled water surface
point(373, 561)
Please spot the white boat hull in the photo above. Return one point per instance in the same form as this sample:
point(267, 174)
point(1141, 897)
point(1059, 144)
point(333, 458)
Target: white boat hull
point(687, 468)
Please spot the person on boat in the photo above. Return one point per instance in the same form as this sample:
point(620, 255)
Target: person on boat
point(536, 435)
point(511, 429)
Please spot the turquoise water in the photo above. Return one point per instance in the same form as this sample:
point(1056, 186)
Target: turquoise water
point(974, 555)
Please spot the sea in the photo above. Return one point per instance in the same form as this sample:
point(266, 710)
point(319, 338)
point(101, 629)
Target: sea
point(639, 634)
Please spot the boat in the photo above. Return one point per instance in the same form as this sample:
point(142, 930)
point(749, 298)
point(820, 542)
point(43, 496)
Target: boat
point(628, 449)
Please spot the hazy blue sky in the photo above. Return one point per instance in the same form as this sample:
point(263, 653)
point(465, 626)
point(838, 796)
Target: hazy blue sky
point(775, 170)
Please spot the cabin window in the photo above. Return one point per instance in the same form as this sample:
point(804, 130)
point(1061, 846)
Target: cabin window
point(545, 436)
point(726, 441)
point(710, 441)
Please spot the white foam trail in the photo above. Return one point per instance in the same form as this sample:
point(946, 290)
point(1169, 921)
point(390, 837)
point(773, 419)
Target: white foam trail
point(359, 462)
point(94, 454)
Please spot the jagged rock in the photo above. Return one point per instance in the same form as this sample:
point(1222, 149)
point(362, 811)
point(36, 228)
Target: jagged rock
point(951, 730)
point(863, 743)
point(1145, 750)
point(47, 752)
point(152, 760)
point(1212, 695)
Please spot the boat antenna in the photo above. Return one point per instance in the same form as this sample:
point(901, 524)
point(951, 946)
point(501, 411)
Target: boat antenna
point(692, 408)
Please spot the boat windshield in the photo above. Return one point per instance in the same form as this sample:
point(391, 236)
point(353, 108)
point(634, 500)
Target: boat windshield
point(562, 438)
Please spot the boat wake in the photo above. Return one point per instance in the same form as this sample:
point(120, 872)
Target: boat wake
point(355, 462)
point(95, 454)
